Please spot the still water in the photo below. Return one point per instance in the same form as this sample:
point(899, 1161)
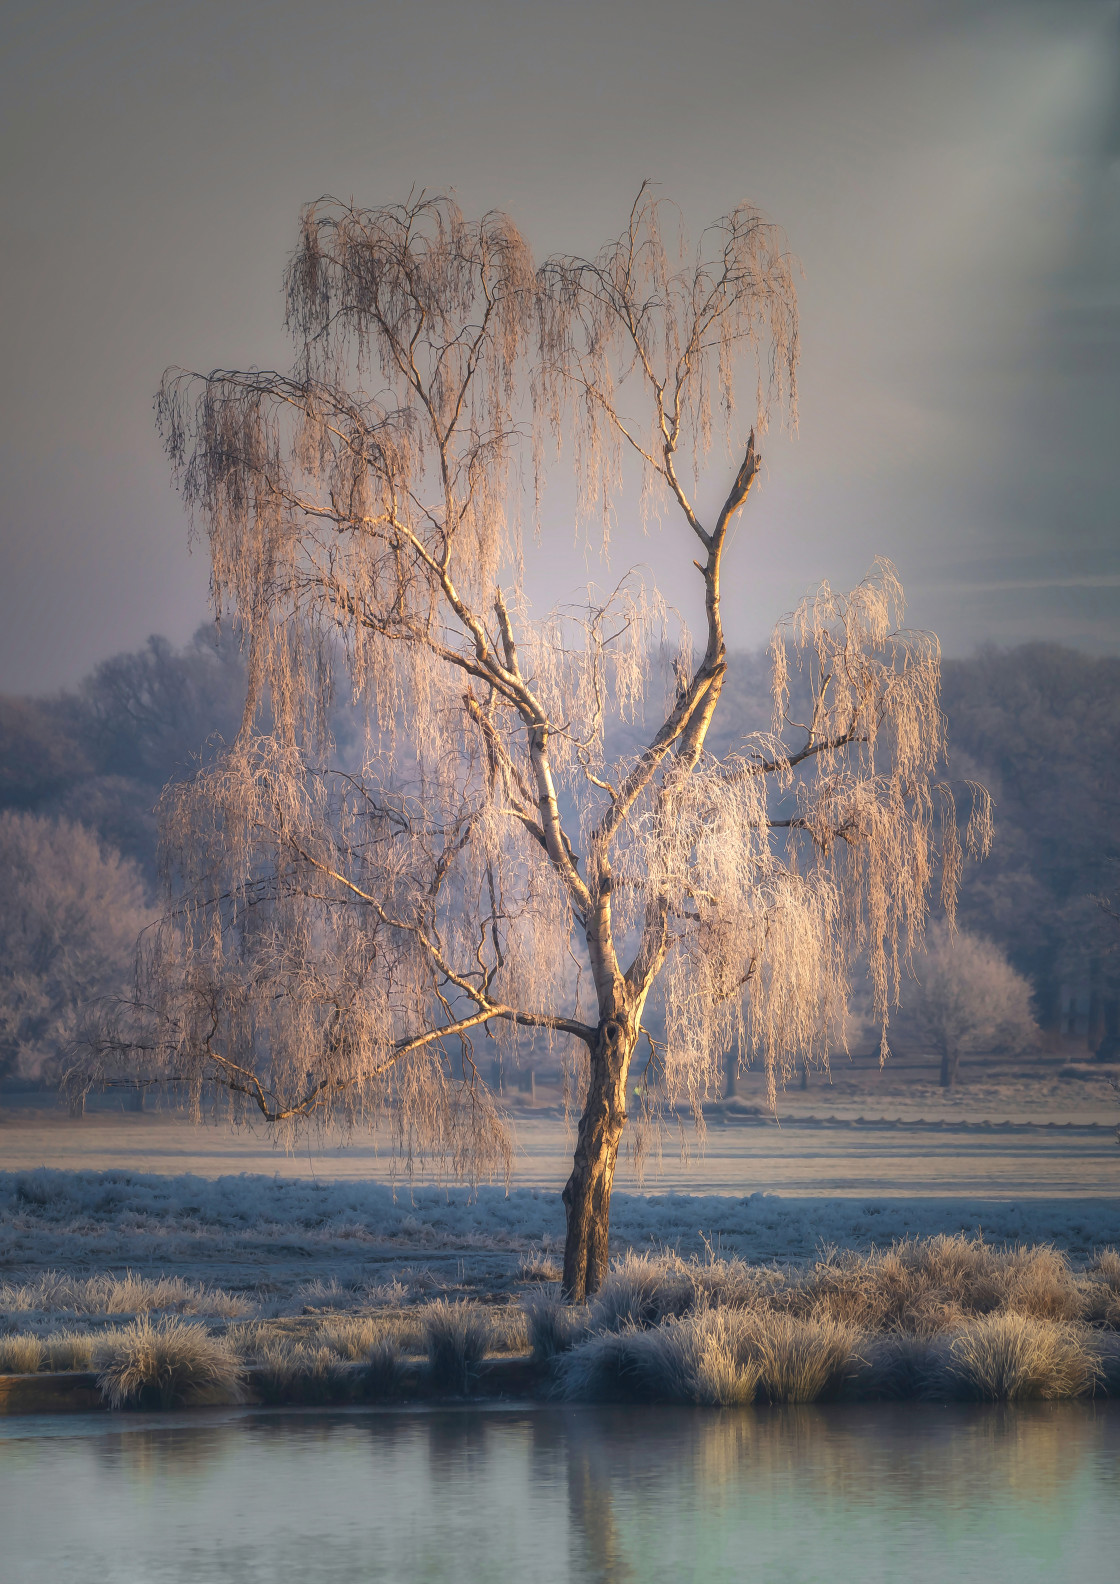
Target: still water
point(800, 1496)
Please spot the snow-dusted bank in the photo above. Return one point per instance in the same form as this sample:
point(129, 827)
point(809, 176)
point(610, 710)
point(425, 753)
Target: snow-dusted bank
point(248, 1232)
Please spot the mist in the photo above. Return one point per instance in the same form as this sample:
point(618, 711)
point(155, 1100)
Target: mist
point(946, 173)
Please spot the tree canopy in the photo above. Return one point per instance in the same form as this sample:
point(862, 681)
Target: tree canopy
point(338, 938)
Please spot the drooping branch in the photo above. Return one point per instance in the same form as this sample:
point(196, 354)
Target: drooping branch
point(337, 932)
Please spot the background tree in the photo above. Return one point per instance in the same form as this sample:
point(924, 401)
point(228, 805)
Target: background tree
point(70, 913)
point(101, 755)
point(1040, 726)
point(337, 940)
point(967, 998)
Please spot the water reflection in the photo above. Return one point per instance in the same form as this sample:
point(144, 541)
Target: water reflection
point(582, 1496)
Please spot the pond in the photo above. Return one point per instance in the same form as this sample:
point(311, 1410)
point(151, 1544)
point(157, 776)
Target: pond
point(536, 1495)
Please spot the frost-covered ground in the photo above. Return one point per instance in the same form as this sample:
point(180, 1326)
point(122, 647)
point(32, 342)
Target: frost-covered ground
point(869, 1158)
point(277, 1234)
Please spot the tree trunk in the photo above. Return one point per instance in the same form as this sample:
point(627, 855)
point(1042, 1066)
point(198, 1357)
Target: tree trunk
point(950, 1066)
point(587, 1194)
point(1109, 1047)
point(1094, 1028)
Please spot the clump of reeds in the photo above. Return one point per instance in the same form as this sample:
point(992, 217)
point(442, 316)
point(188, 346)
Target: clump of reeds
point(106, 1294)
point(165, 1365)
point(458, 1336)
point(353, 1339)
point(1008, 1357)
point(1102, 1290)
point(1106, 1347)
point(383, 1374)
point(798, 1360)
point(289, 1371)
point(701, 1359)
point(609, 1366)
point(715, 1356)
point(21, 1355)
point(329, 1294)
point(930, 1285)
point(554, 1326)
point(538, 1266)
point(896, 1367)
point(70, 1350)
point(648, 1288)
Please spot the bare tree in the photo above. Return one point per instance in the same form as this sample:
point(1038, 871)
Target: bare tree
point(337, 940)
point(967, 998)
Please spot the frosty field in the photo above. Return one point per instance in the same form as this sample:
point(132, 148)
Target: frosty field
point(152, 1193)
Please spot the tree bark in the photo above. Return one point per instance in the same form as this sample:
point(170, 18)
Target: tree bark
point(587, 1194)
point(950, 1067)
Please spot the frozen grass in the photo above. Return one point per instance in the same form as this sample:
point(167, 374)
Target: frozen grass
point(355, 1339)
point(299, 1230)
point(946, 1316)
point(64, 1350)
point(384, 1371)
point(21, 1355)
point(1107, 1351)
point(716, 1357)
point(645, 1289)
point(458, 1337)
point(165, 1364)
point(289, 1371)
point(920, 1287)
point(1009, 1357)
point(554, 1326)
point(53, 1293)
point(800, 1361)
point(940, 1317)
point(1102, 1306)
point(69, 1350)
point(925, 1286)
point(897, 1368)
point(333, 1294)
point(538, 1266)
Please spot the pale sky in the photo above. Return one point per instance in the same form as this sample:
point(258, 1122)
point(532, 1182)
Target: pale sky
point(948, 172)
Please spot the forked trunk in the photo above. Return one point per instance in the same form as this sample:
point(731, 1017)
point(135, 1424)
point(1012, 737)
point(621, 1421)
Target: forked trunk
point(587, 1195)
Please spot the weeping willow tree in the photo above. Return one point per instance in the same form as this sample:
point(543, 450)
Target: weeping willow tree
point(339, 938)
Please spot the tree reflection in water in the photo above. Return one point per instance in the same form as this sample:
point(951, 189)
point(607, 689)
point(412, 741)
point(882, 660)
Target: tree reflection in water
point(617, 1495)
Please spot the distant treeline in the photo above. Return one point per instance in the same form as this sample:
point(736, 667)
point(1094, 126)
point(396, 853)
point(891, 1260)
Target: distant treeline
point(1039, 725)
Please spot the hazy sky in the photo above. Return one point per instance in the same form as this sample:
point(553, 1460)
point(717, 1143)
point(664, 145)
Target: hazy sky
point(948, 172)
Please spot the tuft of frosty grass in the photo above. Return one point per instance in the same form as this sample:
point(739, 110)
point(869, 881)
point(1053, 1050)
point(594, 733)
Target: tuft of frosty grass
point(923, 1313)
point(165, 1364)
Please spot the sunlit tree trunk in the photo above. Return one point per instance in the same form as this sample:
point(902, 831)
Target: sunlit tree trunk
point(587, 1194)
